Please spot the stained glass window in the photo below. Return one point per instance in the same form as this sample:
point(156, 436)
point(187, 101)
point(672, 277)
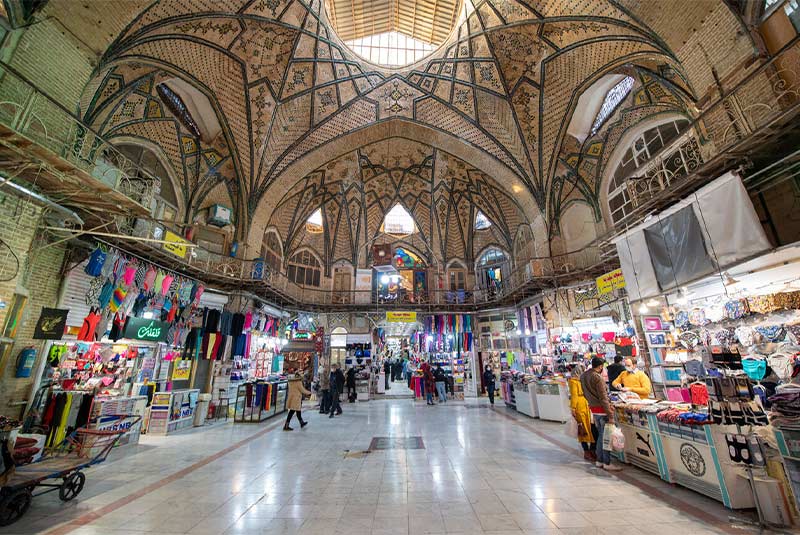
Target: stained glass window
point(615, 95)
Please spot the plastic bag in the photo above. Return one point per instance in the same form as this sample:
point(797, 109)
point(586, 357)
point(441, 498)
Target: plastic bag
point(617, 439)
point(571, 429)
point(607, 430)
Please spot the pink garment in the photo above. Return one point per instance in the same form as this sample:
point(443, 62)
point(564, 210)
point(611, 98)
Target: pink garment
point(130, 274)
point(200, 290)
point(149, 279)
point(248, 321)
point(166, 283)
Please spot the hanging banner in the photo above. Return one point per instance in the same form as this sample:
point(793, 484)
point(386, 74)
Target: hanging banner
point(401, 317)
point(176, 245)
point(145, 329)
point(51, 324)
point(613, 280)
point(363, 286)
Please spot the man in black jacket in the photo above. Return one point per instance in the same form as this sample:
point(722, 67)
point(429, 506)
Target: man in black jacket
point(387, 371)
point(337, 385)
point(615, 369)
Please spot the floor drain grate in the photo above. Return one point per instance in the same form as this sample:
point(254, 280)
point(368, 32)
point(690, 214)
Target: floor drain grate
point(355, 454)
point(396, 443)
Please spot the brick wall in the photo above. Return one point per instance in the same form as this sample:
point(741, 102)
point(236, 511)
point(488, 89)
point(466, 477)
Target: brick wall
point(52, 60)
point(39, 277)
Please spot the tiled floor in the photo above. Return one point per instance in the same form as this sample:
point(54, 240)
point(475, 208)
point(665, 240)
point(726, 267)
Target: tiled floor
point(482, 471)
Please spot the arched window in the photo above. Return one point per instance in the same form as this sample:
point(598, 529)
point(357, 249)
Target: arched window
point(398, 222)
point(613, 98)
point(271, 251)
point(147, 160)
point(643, 148)
point(314, 222)
point(492, 257)
point(304, 269)
point(492, 270)
point(481, 221)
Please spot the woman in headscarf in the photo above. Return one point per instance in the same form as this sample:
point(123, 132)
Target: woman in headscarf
point(581, 412)
point(294, 400)
point(430, 382)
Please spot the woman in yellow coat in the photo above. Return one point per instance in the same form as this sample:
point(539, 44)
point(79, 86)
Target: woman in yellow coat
point(581, 413)
point(294, 400)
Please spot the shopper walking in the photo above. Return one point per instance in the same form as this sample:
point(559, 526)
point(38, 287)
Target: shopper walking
point(337, 384)
point(325, 390)
point(387, 371)
point(429, 382)
point(594, 389)
point(489, 383)
point(294, 401)
point(581, 413)
point(441, 383)
point(350, 381)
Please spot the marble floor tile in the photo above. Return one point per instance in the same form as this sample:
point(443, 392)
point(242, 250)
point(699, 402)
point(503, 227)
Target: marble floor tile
point(481, 473)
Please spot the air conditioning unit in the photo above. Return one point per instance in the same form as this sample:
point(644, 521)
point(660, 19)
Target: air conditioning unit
point(219, 215)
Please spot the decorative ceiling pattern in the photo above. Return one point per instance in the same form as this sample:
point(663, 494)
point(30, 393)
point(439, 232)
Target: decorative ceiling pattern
point(355, 191)
point(283, 85)
point(137, 113)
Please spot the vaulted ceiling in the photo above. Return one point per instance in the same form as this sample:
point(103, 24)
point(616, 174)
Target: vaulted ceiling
point(290, 97)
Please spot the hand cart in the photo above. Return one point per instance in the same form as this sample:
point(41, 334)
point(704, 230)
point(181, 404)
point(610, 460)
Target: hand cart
point(83, 448)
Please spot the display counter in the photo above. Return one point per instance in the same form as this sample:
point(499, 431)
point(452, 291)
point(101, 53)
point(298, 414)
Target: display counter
point(525, 397)
point(105, 417)
point(693, 456)
point(258, 400)
point(507, 391)
point(172, 411)
point(362, 389)
point(552, 400)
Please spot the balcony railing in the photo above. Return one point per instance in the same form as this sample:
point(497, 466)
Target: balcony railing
point(27, 111)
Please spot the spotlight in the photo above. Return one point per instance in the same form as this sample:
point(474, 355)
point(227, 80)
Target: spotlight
point(527, 332)
point(519, 332)
point(643, 309)
point(385, 279)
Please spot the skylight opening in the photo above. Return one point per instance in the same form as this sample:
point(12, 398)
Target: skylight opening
point(392, 49)
point(395, 33)
point(314, 222)
point(481, 221)
point(613, 98)
point(399, 222)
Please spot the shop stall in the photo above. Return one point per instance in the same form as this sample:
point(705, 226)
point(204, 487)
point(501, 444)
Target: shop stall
point(259, 400)
point(552, 399)
point(172, 411)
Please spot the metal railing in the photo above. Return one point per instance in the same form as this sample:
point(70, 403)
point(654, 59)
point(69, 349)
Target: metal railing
point(31, 113)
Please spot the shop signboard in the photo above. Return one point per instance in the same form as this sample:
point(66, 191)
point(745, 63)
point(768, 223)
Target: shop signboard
point(175, 244)
point(301, 335)
point(613, 280)
point(401, 316)
point(51, 324)
point(145, 329)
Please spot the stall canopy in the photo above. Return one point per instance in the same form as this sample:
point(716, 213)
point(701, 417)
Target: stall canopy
point(710, 230)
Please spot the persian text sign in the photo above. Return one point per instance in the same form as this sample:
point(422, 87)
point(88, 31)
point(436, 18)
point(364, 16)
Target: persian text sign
point(175, 244)
point(401, 317)
point(613, 280)
point(145, 329)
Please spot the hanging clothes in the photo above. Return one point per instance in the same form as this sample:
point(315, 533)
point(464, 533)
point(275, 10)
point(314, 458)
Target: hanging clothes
point(87, 332)
point(94, 267)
